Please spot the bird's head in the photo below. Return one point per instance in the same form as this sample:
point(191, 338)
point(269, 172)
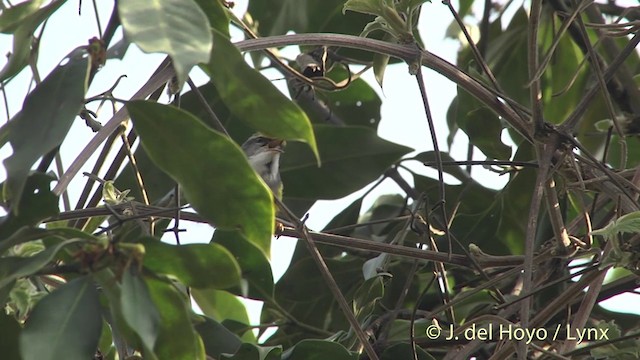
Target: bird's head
point(264, 156)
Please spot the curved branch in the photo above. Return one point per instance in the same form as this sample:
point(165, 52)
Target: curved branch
point(407, 53)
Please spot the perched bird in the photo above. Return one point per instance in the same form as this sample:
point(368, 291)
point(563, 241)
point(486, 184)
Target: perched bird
point(264, 156)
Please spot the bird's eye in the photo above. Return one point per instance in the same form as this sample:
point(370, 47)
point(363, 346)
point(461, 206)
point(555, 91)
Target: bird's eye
point(262, 140)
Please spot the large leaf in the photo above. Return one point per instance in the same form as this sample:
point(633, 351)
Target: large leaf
point(177, 338)
point(255, 352)
point(138, 309)
point(217, 339)
point(45, 119)
point(196, 265)
point(252, 98)
point(217, 15)
point(178, 28)
point(352, 157)
point(304, 293)
point(214, 173)
point(220, 305)
point(65, 324)
point(9, 335)
point(255, 267)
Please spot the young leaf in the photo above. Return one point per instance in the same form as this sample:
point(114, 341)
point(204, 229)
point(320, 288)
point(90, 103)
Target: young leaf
point(45, 119)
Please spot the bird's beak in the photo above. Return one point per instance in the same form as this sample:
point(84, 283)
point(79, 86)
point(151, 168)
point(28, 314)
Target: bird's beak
point(276, 145)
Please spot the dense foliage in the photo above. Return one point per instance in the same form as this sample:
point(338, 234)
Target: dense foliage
point(437, 271)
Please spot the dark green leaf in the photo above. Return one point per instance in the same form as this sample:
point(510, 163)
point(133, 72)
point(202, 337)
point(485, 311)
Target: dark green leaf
point(352, 157)
point(213, 171)
point(277, 17)
point(252, 98)
point(217, 15)
point(304, 293)
point(217, 339)
point(178, 28)
point(313, 349)
point(65, 324)
point(37, 202)
point(177, 339)
point(367, 297)
point(156, 189)
point(346, 217)
point(255, 352)
point(254, 265)
point(429, 157)
point(45, 118)
point(403, 351)
point(138, 308)
point(358, 104)
point(196, 265)
point(9, 336)
point(484, 130)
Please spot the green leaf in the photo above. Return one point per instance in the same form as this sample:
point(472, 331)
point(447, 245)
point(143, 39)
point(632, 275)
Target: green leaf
point(9, 336)
point(38, 203)
point(255, 267)
point(217, 339)
point(214, 173)
point(196, 265)
point(372, 7)
point(358, 104)
point(177, 338)
point(277, 17)
point(348, 216)
point(484, 130)
point(429, 158)
point(138, 308)
point(178, 28)
point(255, 352)
point(22, 26)
point(404, 351)
point(220, 305)
point(252, 98)
point(629, 223)
point(12, 268)
point(217, 15)
point(313, 349)
point(367, 296)
point(45, 118)
point(352, 157)
point(65, 324)
point(380, 62)
point(11, 18)
point(111, 288)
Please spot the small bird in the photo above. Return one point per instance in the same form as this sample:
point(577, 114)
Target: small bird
point(264, 156)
